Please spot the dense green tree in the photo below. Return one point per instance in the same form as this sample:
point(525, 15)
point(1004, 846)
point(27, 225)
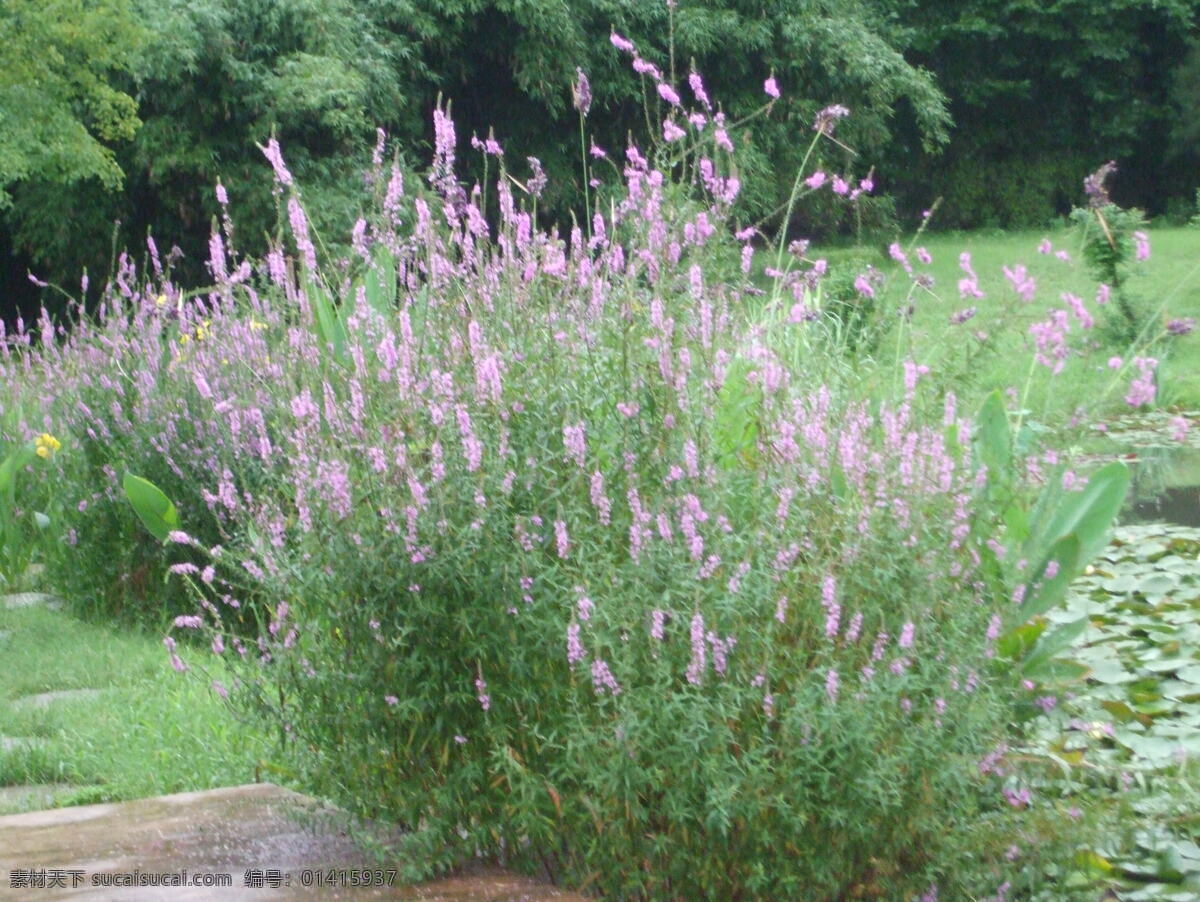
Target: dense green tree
point(1039, 92)
point(509, 64)
point(217, 76)
point(59, 107)
point(1044, 91)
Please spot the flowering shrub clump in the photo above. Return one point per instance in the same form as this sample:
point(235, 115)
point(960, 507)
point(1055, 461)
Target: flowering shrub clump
point(1113, 240)
point(562, 551)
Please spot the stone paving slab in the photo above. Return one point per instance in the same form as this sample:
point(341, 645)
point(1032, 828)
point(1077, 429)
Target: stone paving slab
point(46, 699)
point(204, 836)
point(28, 599)
point(19, 743)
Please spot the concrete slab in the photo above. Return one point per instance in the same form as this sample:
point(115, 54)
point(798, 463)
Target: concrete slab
point(260, 842)
point(26, 599)
point(46, 699)
point(14, 743)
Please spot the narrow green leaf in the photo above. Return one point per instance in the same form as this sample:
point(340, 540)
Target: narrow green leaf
point(993, 439)
point(380, 282)
point(13, 465)
point(330, 329)
point(1016, 522)
point(1051, 644)
point(1042, 594)
point(153, 508)
point(735, 424)
point(837, 482)
point(1089, 513)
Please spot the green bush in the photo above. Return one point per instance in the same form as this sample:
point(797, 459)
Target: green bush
point(1113, 241)
point(579, 555)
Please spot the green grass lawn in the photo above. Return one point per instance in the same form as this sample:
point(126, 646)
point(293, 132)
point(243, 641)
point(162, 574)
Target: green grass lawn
point(1168, 283)
point(149, 731)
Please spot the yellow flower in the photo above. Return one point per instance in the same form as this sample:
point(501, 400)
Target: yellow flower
point(256, 326)
point(160, 301)
point(184, 339)
point(46, 445)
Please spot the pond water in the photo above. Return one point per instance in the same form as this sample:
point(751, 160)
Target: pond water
point(1165, 486)
point(1131, 720)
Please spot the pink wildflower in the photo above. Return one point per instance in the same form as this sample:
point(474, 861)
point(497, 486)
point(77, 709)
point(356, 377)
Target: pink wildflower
point(831, 685)
point(622, 44)
point(1142, 390)
point(671, 131)
point(575, 652)
point(603, 679)
point(697, 86)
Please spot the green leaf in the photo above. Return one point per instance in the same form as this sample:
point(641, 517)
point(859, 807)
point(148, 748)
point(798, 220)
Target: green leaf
point(1089, 513)
point(1014, 644)
point(735, 424)
point(13, 465)
point(380, 282)
point(1016, 523)
point(993, 440)
point(1049, 645)
point(837, 483)
point(1043, 594)
point(1110, 672)
point(153, 508)
point(327, 324)
point(1062, 670)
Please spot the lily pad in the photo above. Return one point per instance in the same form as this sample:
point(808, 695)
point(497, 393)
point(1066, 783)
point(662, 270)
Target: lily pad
point(1189, 674)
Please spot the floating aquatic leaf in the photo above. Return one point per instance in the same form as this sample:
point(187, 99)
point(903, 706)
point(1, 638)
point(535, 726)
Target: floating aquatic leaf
point(1154, 750)
point(1158, 584)
point(1120, 585)
point(1109, 672)
point(1165, 665)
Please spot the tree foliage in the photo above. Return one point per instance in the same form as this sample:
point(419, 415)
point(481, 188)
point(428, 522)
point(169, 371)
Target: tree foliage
point(218, 76)
point(509, 65)
point(1044, 92)
point(1000, 105)
point(60, 110)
